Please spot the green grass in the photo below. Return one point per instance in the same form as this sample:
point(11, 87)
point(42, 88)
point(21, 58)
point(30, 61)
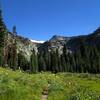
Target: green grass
point(17, 85)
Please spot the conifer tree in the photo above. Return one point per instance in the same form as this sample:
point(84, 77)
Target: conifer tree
point(63, 64)
point(34, 62)
point(41, 62)
point(14, 48)
point(3, 35)
point(23, 63)
point(54, 61)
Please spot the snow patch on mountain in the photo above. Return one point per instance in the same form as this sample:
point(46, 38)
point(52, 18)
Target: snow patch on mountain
point(36, 41)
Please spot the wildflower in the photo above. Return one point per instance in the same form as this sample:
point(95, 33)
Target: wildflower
point(69, 83)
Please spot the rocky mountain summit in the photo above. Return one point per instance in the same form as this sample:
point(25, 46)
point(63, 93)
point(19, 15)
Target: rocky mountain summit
point(72, 43)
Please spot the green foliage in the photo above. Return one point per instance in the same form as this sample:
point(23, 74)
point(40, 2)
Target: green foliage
point(3, 34)
point(15, 85)
point(34, 62)
point(41, 62)
point(22, 62)
point(20, 86)
point(1, 56)
point(86, 58)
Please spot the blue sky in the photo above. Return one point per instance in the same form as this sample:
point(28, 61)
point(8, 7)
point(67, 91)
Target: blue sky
point(41, 19)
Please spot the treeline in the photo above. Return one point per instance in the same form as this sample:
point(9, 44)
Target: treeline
point(85, 59)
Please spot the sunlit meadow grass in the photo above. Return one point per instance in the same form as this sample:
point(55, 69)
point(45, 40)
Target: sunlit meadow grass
point(17, 85)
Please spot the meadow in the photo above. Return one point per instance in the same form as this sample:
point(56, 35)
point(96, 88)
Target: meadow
point(18, 85)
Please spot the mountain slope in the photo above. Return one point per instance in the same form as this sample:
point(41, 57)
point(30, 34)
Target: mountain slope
point(72, 43)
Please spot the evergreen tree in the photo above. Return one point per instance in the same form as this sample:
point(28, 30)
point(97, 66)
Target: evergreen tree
point(3, 35)
point(63, 64)
point(12, 51)
point(41, 62)
point(94, 59)
point(67, 59)
point(23, 62)
point(1, 56)
point(78, 61)
point(34, 62)
point(46, 60)
point(72, 63)
point(54, 61)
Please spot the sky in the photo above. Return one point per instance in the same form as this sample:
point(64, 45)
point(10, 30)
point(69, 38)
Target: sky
point(41, 19)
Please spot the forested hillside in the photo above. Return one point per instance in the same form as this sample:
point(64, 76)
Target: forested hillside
point(59, 54)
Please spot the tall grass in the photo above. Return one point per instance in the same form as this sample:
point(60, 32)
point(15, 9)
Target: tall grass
point(17, 85)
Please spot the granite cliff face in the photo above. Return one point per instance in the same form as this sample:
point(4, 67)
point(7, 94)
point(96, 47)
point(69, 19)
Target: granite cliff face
point(23, 45)
point(56, 42)
point(71, 43)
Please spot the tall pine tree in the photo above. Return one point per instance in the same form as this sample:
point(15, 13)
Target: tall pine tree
point(34, 62)
point(3, 35)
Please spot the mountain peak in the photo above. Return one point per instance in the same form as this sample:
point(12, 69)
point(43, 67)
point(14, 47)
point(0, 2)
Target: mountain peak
point(97, 31)
point(57, 37)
